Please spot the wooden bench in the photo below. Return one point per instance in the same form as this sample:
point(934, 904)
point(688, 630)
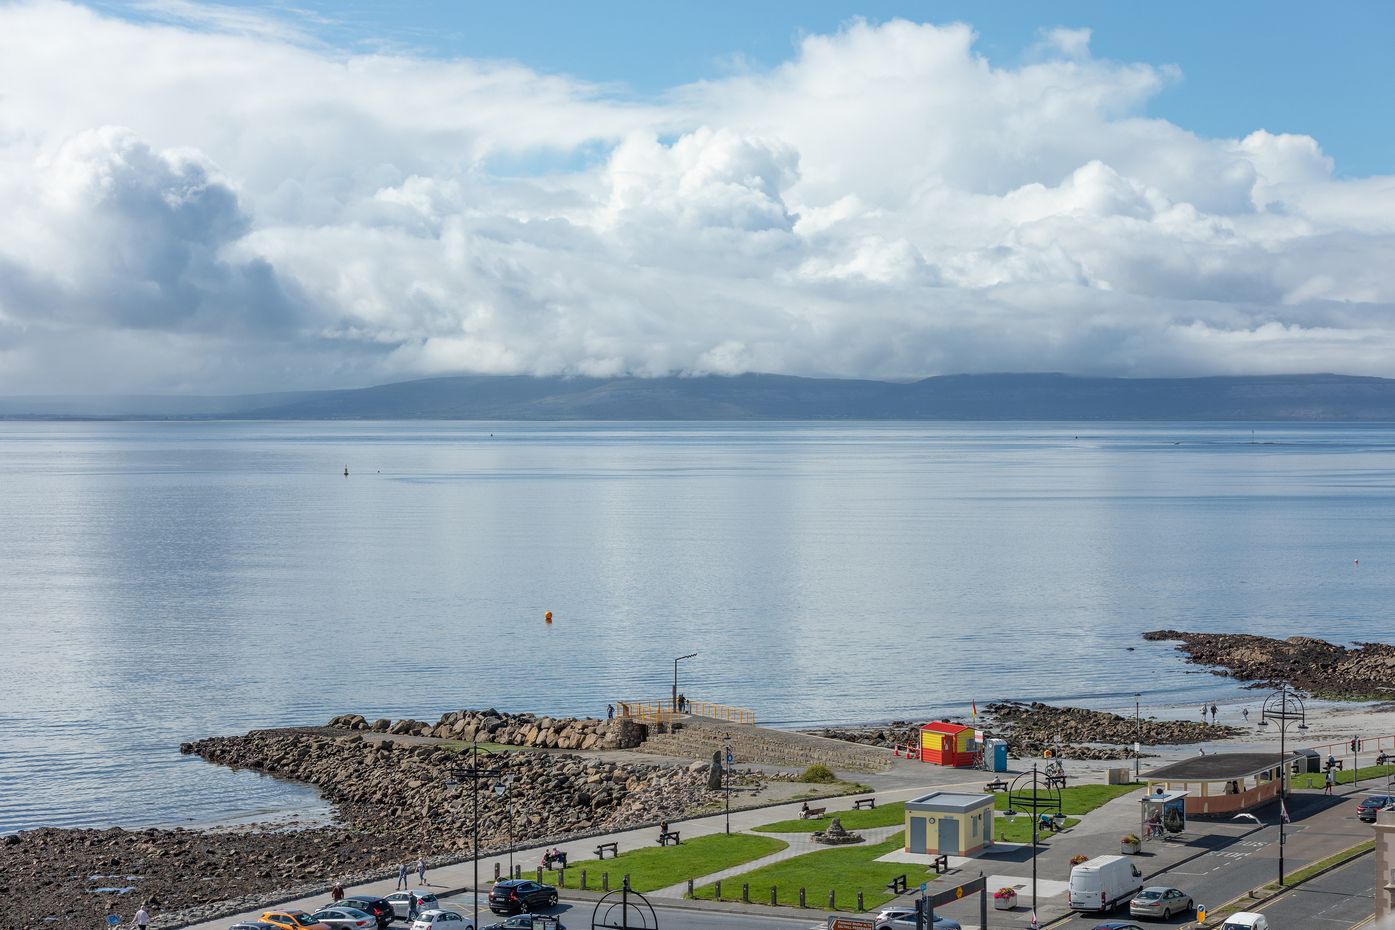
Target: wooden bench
point(669, 839)
point(996, 784)
point(866, 803)
point(614, 850)
point(1055, 781)
point(897, 885)
point(941, 864)
point(812, 813)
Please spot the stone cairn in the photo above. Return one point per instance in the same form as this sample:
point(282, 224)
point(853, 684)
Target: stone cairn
point(835, 835)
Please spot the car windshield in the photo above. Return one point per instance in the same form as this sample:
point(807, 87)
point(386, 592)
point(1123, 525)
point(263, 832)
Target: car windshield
point(305, 920)
point(1235, 926)
point(1147, 895)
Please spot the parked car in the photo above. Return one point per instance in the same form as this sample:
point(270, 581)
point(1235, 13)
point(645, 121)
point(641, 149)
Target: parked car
point(292, 920)
point(521, 894)
point(903, 918)
point(380, 908)
point(341, 917)
point(1103, 883)
point(252, 925)
point(520, 922)
point(1160, 901)
point(1246, 920)
point(1116, 925)
point(1368, 808)
point(401, 902)
point(442, 920)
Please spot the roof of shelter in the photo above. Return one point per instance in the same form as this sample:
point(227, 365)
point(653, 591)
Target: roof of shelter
point(1217, 766)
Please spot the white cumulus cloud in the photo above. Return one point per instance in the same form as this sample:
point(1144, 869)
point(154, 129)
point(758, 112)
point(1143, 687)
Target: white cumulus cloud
point(211, 201)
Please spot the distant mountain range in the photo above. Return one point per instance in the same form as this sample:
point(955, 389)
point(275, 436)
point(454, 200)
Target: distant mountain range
point(772, 397)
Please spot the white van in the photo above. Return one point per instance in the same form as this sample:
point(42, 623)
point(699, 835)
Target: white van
point(1103, 883)
point(1246, 920)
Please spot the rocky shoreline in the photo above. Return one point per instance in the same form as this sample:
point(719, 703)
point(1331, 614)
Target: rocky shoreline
point(1318, 667)
point(1032, 728)
point(397, 797)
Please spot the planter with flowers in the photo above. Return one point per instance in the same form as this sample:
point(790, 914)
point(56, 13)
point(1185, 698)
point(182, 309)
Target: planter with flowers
point(1128, 844)
point(1005, 899)
point(1077, 859)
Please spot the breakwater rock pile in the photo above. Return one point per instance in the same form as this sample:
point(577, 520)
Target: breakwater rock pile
point(1366, 672)
point(419, 792)
point(1078, 733)
point(508, 729)
point(397, 797)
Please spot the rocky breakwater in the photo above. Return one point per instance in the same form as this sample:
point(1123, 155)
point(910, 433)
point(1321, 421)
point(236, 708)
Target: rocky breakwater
point(1078, 733)
point(397, 797)
point(579, 733)
point(1366, 672)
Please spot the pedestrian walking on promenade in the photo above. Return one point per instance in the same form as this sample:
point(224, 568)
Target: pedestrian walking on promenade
point(401, 877)
point(1327, 784)
point(1203, 713)
point(337, 893)
point(421, 871)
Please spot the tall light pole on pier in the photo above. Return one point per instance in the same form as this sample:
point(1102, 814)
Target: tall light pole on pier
point(1283, 707)
point(675, 677)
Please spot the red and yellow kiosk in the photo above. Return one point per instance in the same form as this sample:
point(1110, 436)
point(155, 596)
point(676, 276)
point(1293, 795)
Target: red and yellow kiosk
point(947, 744)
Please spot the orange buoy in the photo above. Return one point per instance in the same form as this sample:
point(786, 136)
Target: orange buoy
point(548, 616)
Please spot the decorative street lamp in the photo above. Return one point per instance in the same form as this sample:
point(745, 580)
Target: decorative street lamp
point(475, 773)
point(726, 774)
point(1025, 793)
point(1283, 707)
point(675, 677)
point(501, 789)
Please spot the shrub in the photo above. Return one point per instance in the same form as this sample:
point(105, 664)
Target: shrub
point(1128, 838)
point(1077, 859)
point(818, 774)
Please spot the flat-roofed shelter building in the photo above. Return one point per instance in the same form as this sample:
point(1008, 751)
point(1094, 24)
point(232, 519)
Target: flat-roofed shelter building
point(1222, 782)
point(949, 823)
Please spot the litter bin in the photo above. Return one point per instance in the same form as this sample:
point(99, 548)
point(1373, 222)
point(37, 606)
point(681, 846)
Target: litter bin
point(1308, 762)
point(996, 754)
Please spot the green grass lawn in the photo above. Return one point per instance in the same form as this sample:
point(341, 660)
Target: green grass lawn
point(1019, 829)
point(661, 866)
point(1077, 799)
point(845, 870)
point(1373, 774)
point(888, 815)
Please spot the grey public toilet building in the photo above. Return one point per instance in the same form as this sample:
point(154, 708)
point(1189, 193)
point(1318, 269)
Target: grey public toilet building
point(953, 824)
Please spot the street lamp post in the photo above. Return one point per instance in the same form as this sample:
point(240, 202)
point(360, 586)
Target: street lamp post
point(501, 789)
point(1036, 800)
point(1283, 707)
point(475, 773)
point(726, 775)
point(1137, 736)
point(675, 677)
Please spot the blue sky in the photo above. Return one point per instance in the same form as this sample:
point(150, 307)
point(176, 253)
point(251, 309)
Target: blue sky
point(1285, 66)
point(213, 198)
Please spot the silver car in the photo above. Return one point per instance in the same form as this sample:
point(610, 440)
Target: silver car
point(1160, 901)
point(903, 918)
point(401, 902)
point(346, 918)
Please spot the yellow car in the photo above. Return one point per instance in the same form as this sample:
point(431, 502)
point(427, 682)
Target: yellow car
point(292, 920)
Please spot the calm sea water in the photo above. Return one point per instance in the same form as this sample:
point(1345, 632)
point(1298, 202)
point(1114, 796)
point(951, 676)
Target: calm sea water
point(165, 581)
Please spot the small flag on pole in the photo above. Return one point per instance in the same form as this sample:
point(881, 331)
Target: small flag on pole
point(973, 706)
point(1283, 811)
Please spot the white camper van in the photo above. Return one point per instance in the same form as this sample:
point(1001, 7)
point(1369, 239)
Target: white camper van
point(1103, 883)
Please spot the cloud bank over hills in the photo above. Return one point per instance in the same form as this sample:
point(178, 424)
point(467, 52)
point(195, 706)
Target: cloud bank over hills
point(230, 206)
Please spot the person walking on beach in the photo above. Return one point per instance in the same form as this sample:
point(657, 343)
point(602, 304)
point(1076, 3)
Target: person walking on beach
point(1327, 783)
point(142, 918)
point(1245, 712)
point(1213, 713)
point(1203, 713)
point(421, 871)
point(401, 877)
